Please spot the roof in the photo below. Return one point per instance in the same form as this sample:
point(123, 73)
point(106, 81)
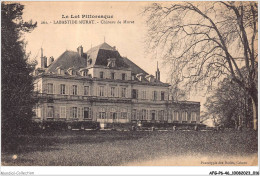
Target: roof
point(96, 56)
point(135, 69)
point(100, 54)
point(68, 59)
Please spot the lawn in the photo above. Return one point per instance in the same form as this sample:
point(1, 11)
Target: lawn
point(106, 148)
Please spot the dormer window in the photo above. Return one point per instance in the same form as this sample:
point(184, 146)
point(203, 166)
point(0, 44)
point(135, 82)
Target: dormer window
point(140, 76)
point(71, 71)
point(111, 62)
point(83, 72)
point(89, 61)
point(60, 71)
point(150, 78)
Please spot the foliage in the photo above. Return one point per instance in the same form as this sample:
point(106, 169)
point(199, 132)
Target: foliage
point(17, 83)
point(203, 42)
point(229, 105)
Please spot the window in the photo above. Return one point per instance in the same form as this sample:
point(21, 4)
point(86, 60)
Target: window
point(62, 89)
point(73, 72)
point(101, 91)
point(123, 92)
point(113, 63)
point(161, 115)
point(50, 112)
point(123, 76)
point(102, 113)
point(101, 75)
point(50, 88)
point(112, 91)
point(74, 112)
point(134, 114)
point(135, 93)
point(112, 75)
point(143, 114)
point(124, 114)
point(184, 116)
point(143, 94)
point(176, 116)
point(86, 113)
point(62, 112)
point(162, 96)
point(162, 112)
point(85, 73)
point(74, 90)
point(86, 90)
point(154, 95)
point(153, 115)
point(193, 116)
point(113, 114)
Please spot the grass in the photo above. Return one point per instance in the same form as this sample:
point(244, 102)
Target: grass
point(106, 148)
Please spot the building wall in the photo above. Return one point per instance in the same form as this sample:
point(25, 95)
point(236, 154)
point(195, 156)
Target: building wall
point(124, 109)
point(95, 72)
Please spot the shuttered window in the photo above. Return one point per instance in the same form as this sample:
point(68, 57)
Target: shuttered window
point(62, 89)
point(123, 92)
point(86, 90)
point(50, 112)
point(74, 112)
point(74, 90)
point(62, 112)
point(134, 115)
point(50, 88)
point(193, 116)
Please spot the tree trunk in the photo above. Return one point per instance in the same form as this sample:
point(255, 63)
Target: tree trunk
point(254, 104)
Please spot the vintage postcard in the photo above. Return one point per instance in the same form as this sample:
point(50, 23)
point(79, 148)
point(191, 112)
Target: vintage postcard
point(129, 84)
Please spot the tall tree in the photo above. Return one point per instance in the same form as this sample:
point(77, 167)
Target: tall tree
point(207, 41)
point(229, 105)
point(17, 82)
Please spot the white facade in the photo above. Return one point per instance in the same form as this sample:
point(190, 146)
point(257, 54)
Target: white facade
point(112, 93)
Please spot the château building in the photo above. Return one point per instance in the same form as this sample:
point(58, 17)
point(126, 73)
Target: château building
point(102, 86)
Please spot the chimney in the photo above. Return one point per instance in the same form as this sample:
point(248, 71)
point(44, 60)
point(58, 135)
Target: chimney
point(43, 60)
point(157, 73)
point(50, 60)
point(80, 50)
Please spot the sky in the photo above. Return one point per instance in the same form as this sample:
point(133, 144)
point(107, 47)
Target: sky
point(129, 39)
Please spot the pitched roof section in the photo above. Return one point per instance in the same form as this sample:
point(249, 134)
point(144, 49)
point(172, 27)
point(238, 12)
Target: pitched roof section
point(98, 55)
point(135, 69)
point(69, 59)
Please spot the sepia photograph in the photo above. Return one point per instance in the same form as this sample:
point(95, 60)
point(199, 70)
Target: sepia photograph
point(129, 84)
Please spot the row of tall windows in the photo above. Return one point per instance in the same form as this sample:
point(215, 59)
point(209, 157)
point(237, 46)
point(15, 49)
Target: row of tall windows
point(112, 114)
point(74, 112)
point(183, 116)
point(160, 115)
point(143, 95)
point(63, 89)
point(112, 92)
point(112, 75)
point(86, 92)
point(144, 115)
